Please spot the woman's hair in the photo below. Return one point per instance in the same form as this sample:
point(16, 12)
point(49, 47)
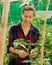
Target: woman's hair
point(28, 7)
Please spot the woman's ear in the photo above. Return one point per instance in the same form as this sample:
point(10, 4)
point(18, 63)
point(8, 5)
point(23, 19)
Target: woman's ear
point(22, 15)
point(33, 17)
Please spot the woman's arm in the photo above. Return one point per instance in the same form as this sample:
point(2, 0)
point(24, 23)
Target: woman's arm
point(12, 50)
point(21, 53)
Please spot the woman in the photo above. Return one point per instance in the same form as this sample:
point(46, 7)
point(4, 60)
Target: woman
point(23, 30)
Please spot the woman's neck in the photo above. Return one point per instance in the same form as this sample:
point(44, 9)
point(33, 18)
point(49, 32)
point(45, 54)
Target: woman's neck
point(24, 24)
point(25, 27)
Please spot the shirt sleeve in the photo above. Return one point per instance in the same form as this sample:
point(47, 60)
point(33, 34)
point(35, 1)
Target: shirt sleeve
point(10, 40)
point(35, 35)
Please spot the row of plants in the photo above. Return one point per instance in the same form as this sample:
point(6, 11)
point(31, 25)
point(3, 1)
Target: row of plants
point(48, 39)
point(37, 21)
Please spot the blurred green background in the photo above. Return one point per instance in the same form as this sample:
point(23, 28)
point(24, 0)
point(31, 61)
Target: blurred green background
point(14, 16)
point(16, 9)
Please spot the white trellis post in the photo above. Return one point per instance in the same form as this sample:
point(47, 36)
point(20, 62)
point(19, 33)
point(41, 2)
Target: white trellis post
point(43, 34)
point(3, 31)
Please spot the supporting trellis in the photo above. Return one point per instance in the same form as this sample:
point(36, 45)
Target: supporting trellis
point(43, 34)
point(3, 29)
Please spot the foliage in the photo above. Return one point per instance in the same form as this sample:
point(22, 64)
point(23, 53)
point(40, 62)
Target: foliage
point(37, 22)
point(48, 41)
point(27, 46)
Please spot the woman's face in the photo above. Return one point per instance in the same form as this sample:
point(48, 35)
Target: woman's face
point(27, 16)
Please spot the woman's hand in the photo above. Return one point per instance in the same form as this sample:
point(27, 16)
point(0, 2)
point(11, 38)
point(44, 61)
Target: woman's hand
point(22, 53)
point(32, 53)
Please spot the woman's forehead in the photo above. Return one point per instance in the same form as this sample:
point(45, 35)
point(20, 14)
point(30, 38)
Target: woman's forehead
point(28, 13)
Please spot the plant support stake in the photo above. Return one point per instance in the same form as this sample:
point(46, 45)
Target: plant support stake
point(3, 27)
point(43, 33)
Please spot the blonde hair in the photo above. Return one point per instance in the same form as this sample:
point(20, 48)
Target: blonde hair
point(28, 7)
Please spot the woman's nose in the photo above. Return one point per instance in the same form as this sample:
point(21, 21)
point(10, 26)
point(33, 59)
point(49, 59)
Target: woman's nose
point(28, 19)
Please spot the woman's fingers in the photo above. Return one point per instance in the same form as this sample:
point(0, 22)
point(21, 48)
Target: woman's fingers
point(32, 53)
point(22, 53)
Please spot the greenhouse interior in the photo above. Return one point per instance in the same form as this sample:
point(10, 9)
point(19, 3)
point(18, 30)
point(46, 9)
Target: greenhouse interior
point(42, 20)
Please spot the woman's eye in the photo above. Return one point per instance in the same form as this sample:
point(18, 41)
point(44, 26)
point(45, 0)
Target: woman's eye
point(26, 16)
point(30, 17)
